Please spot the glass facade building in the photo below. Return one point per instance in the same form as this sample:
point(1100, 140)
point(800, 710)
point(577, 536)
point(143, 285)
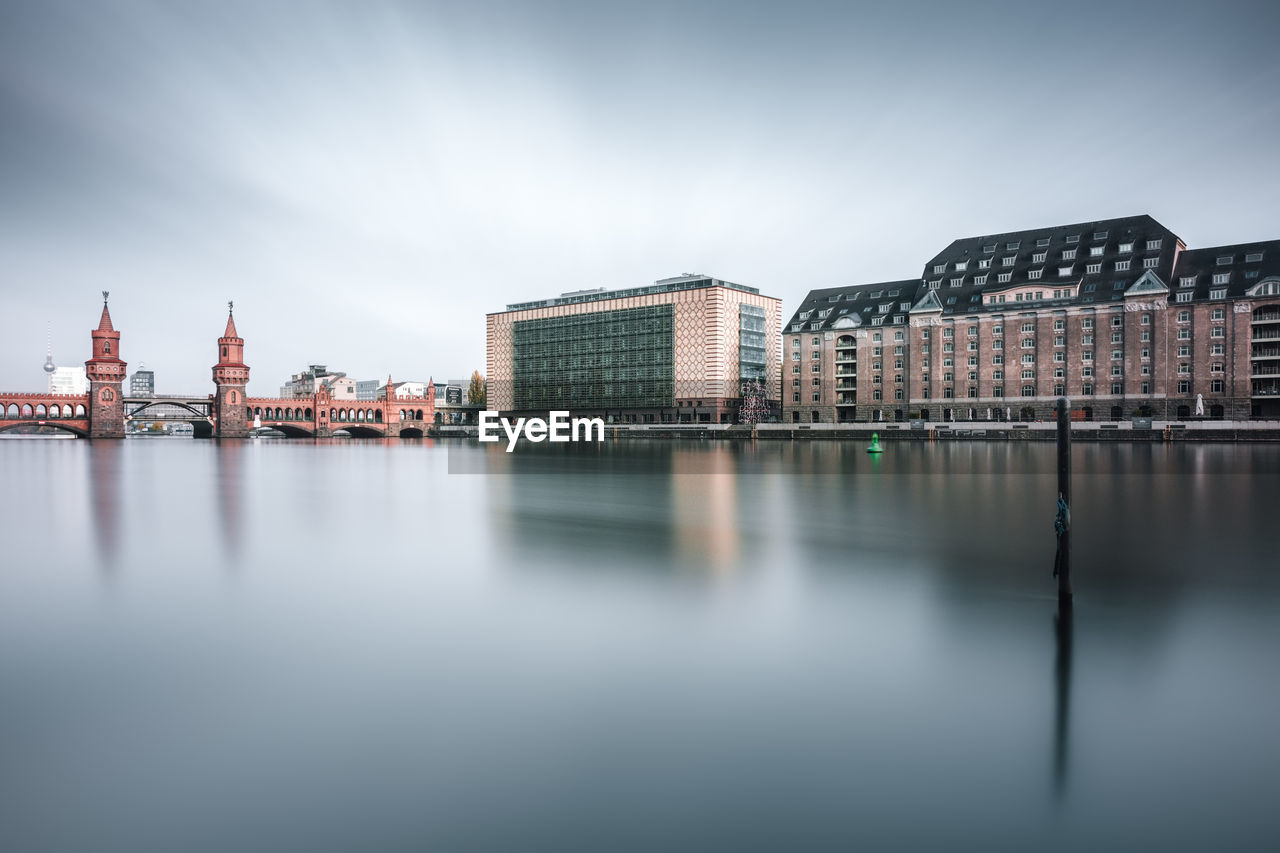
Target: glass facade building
point(602, 360)
point(677, 351)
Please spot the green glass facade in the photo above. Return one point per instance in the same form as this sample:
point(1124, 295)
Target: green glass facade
point(603, 360)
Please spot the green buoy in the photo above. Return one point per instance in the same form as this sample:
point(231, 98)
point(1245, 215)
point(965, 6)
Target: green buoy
point(875, 444)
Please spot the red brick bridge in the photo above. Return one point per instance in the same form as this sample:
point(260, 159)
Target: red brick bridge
point(227, 413)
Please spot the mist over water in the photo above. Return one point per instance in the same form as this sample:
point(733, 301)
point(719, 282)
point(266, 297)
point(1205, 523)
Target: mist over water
point(343, 645)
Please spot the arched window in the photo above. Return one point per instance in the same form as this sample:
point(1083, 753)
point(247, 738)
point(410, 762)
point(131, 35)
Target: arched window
point(12, 411)
point(231, 397)
point(402, 417)
point(279, 413)
point(257, 411)
point(308, 414)
point(419, 415)
point(377, 416)
point(26, 410)
point(360, 416)
point(40, 410)
point(106, 346)
point(66, 410)
point(1266, 288)
point(288, 413)
point(224, 352)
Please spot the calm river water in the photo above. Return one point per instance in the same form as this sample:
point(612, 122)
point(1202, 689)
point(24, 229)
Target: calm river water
point(366, 646)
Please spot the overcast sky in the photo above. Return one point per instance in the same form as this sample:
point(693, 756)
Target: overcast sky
point(367, 180)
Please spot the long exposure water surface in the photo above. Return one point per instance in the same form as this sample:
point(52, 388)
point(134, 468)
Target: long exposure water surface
point(671, 645)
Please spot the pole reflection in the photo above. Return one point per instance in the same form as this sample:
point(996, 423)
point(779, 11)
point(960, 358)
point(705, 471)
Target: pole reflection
point(1062, 628)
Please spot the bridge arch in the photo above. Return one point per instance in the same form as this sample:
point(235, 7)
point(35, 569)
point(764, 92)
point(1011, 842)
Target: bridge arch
point(411, 432)
point(27, 411)
point(65, 427)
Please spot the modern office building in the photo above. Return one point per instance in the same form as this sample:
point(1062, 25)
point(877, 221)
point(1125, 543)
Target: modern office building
point(142, 383)
point(677, 351)
point(367, 389)
point(1118, 315)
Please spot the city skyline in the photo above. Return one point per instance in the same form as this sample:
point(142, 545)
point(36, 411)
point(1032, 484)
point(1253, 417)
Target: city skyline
point(368, 183)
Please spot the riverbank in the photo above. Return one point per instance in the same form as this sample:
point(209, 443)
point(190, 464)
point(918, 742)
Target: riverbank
point(1158, 431)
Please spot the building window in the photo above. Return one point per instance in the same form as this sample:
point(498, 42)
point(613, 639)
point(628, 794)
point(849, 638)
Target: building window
point(1253, 258)
point(1187, 281)
point(1093, 268)
point(1069, 255)
point(795, 368)
point(817, 381)
point(1146, 334)
point(1073, 238)
point(1218, 293)
point(1008, 261)
point(1184, 369)
point(1153, 245)
point(817, 368)
point(1087, 389)
point(1064, 271)
point(984, 264)
point(1218, 314)
point(1034, 274)
point(1217, 332)
point(1184, 387)
point(1215, 367)
point(817, 396)
point(1150, 263)
point(875, 394)
point(1028, 390)
point(1117, 388)
point(997, 375)
point(1184, 316)
point(1217, 386)
point(1184, 334)
point(1221, 277)
point(1184, 296)
point(1225, 260)
point(1096, 251)
point(1184, 352)
point(1121, 266)
point(997, 391)
point(1003, 277)
point(1087, 355)
point(1117, 355)
point(1038, 257)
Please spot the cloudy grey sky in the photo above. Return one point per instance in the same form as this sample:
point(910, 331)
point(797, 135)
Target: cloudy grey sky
point(366, 180)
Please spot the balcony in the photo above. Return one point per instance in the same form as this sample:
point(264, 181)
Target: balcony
point(1266, 370)
point(1265, 352)
point(842, 371)
point(842, 358)
point(846, 399)
point(1266, 387)
point(1266, 315)
point(1266, 333)
point(846, 384)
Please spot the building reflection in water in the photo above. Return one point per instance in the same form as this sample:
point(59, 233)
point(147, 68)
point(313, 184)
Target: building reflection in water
point(230, 460)
point(1062, 699)
point(704, 508)
point(105, 477)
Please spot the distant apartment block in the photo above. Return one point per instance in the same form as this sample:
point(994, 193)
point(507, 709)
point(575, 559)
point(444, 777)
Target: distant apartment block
point(676, 351)
point(142, 383)
point(1117, 315)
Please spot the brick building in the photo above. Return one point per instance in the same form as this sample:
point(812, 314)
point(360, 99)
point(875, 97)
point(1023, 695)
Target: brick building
point(1117, 315)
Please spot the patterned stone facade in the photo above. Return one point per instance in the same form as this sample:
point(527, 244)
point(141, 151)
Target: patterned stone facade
point(705, 347)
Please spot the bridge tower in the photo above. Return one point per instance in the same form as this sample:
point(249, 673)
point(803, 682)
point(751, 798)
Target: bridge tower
point(231, 375)
point(105, 372)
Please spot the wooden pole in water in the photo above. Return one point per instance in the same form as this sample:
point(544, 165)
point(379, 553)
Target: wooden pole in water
point(1063, 561)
